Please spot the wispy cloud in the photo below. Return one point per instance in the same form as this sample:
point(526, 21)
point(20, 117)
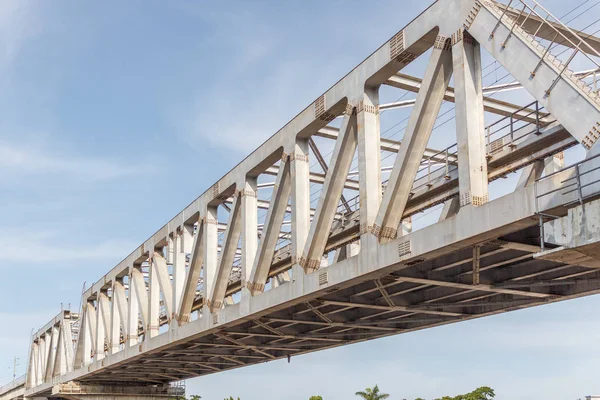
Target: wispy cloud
point(50, 247)
point(261, 86)
point(21, 159)
point(18, 23)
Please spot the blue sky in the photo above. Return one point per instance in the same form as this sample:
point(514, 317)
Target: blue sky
point(115, 115)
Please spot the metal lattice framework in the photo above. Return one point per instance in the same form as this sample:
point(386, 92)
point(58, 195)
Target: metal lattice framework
point(203, 295)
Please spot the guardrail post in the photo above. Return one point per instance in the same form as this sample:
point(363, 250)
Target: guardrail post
point(537, 117)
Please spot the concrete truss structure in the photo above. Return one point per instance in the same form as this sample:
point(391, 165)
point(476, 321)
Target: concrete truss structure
point(203, 295)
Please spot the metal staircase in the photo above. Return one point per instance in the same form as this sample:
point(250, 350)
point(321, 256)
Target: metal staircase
point(536, 65)
point(558, 29)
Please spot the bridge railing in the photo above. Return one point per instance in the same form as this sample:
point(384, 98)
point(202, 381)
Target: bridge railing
point(558, 44)
point(567, 187)
point(19, 381)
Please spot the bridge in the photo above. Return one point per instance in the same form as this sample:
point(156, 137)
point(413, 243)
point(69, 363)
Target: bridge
point(283, 257)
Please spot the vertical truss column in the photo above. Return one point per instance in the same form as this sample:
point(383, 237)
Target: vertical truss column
point(421, 122)
point(119, 317)
point(89, 335)
point(52, 354)
point(472, 162)
point(182, 245)
point(153, 298)
point(369, 176)
point(102, 319)
point(300, 203)
point(60, 367)
point(210, 252)
point(132, 313)
point(41, 359)
point(67, 341)
point(249, 210)
point(31, 365)
point(341, 159)
point(369, 158)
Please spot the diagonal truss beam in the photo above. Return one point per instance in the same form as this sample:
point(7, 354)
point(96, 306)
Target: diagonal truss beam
point(193, 275)
point(420, 125)
point(271, 230)
point(229, 249)
point(140, 297)
point(160, 270)
point(323, 164)
point(333, 187)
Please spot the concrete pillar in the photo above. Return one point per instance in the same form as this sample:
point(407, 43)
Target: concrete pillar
point(369, 169)
point(41, 359)
point(132, 315)
point(249, 215)
point(178, 266)
point(119, 316)
point(421, 122)
point(89, 339)
point(369, 158)
point(472, 162)
point(33, 366)
point(52, 354)
point(101, 319)
point(68, 339)
point(140, 294)
point(300, 203)
point(153, 299)
point(210, 252)
point(61, 359)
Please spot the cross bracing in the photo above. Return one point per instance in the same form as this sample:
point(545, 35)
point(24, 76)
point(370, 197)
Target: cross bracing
point(307, 243)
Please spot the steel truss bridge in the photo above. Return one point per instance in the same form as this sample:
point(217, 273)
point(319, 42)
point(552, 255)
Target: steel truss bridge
point(220, 287)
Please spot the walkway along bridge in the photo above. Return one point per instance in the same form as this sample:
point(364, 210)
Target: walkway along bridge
point(220, 287)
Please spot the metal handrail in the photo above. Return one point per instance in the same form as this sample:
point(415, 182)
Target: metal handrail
point(565, 27)
point(545, 22)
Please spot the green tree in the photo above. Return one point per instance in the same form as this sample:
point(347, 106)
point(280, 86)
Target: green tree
point(192, 397)
point(372, 394)
point(481, 393)
point(315, 398)
point(231, 398)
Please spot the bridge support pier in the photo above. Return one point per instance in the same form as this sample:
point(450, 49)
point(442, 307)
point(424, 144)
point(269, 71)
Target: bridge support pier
point(76, 391)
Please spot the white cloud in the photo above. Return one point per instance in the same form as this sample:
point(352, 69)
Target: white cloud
point(48, 247)
point(35, 161)
point(18, 23)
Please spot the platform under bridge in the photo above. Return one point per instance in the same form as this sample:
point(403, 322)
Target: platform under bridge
point(295, 250)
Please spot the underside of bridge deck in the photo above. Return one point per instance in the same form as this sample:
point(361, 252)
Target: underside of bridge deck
point(496, 276)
